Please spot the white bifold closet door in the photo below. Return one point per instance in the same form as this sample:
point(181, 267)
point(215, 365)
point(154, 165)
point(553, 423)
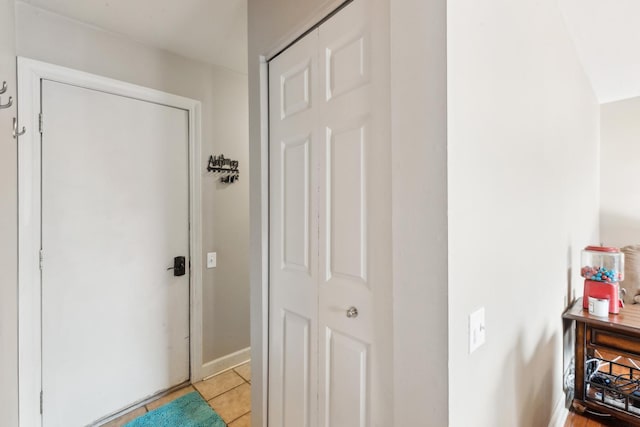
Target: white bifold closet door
point(115, 212)
point(330, 358)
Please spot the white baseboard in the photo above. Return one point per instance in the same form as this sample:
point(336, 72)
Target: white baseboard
point(226, 362)
point(560, 414)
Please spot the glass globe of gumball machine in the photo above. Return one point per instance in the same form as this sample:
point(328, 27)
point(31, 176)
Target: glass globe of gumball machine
point(602, 269)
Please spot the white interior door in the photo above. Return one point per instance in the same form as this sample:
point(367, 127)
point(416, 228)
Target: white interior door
point(115, 321)
point(330, 228)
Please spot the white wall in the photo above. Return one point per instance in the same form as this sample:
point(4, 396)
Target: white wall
point(620, 173)
point(523, 201)
point(419, 175)
point(225, 210)
point(51, 38)
point(8, 227)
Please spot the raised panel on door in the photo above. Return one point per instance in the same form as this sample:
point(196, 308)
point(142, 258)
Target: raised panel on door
point(346, 201)
point(295, 190)
point(355, 221)
point(347, 380)
point(293, 224)
point(296, 390)
point(347, 63)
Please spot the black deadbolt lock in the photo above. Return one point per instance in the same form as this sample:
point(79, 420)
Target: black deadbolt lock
point(179, 266)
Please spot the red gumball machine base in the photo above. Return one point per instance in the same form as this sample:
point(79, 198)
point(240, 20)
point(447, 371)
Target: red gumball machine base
point(610, 291)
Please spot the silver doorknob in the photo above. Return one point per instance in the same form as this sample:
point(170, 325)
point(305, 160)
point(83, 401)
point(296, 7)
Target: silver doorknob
point(352, 312)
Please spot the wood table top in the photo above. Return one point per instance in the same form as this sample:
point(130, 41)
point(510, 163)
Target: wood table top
point(627, 320)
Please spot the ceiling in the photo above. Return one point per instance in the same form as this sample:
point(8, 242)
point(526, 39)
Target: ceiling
point(606, 33)
point(607, 37)
point(212, 31)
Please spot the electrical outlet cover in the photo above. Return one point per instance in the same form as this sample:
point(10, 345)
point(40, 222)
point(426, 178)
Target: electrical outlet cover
point(212, 259)
point(477, 330)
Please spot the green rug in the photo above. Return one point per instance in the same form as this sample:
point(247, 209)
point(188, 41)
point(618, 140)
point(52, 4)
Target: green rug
point(190, 410)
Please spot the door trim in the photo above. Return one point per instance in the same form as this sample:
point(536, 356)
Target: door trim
point(30, 72)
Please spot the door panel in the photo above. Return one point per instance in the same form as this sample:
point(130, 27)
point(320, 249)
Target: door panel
point(114, 214)
point(347, 62)
point(295, 89)
point(346, 199)
point(295, 204)
point(295, 398)
point(293, 223)
point(347, 375)
point(355, 222)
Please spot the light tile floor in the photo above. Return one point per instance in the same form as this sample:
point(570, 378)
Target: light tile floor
point(228, 393)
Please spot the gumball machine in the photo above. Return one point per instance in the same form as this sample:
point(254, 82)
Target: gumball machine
point(602, 269)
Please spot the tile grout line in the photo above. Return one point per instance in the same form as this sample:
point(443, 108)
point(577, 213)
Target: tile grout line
point(232, 388)
point(219, 394)
point(244, 381)
point(236, 419)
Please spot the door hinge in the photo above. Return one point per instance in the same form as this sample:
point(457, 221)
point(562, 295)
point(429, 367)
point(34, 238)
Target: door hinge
point(40, 122)
point(41, 257)
point(40, 401)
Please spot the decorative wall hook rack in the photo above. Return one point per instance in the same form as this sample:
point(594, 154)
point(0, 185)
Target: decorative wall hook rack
point(17, 133)
point(228, 167)
point(3, 89)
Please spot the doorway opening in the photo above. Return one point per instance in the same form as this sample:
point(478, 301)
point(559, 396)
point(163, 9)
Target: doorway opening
point(109, 206)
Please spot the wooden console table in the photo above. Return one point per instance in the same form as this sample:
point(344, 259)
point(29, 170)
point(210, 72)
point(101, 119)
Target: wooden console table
point(607, 361)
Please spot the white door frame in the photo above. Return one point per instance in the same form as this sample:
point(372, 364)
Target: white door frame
point(30, 73)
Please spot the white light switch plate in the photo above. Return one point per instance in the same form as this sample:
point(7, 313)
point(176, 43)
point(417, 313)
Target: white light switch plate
point(477, 330)
point(212, 259)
